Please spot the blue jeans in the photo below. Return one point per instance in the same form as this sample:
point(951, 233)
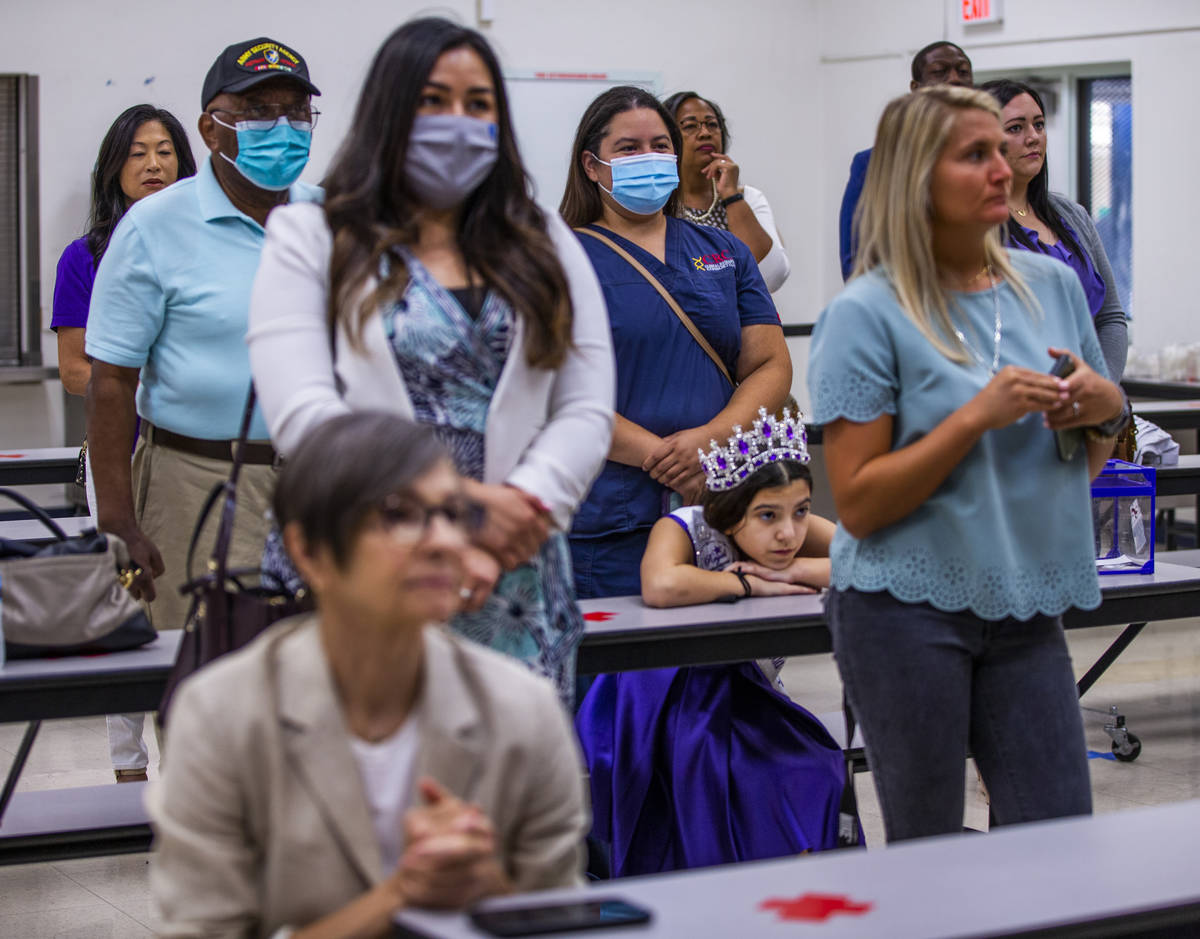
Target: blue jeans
point(926, 684)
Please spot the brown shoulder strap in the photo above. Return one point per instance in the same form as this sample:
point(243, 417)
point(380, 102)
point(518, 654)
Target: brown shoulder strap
point(666, 295)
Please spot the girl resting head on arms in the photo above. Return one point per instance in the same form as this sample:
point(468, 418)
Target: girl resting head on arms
point(751, 535)
point(690, 767)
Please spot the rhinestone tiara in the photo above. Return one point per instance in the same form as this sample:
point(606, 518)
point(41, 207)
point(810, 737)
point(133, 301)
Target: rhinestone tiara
point(772, 439)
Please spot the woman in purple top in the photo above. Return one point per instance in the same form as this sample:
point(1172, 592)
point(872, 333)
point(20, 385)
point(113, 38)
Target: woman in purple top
point(144, 151)
point(1045, 221)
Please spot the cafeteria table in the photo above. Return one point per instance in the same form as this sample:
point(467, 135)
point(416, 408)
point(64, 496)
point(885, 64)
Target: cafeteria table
point(38, 465)
point(86, 820)
point(1131, 873)
point(621, 633)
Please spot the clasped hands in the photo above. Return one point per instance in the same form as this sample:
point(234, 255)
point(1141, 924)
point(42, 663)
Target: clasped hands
point(1082, 399)
point(515, 526)
point(449, 858)
point(676, 462)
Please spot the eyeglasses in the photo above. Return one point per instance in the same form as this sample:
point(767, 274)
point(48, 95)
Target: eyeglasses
point(691, 128)
point(408, 519)
point(302, 114)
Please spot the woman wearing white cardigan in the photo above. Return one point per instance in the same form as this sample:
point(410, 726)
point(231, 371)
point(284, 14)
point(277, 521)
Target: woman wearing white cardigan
point(457, 302)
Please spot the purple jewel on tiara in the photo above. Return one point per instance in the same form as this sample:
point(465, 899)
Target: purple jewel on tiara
point(769, 441)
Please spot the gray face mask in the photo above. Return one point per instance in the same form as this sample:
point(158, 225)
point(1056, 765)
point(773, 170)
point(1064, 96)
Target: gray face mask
point(448, 157)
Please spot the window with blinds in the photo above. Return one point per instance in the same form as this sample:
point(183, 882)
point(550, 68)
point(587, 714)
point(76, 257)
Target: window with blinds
point(20, 292)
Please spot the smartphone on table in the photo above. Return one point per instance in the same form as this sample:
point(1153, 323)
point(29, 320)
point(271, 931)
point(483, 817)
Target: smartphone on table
point(597, 913)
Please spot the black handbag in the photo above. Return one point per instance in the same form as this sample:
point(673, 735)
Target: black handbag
point(68, 597)
point(229, 607)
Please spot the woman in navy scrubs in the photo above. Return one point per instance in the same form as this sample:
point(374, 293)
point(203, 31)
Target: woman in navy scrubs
point(672, 398)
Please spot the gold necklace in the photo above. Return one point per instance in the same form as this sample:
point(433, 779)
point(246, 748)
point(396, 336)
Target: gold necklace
point(1022, 214)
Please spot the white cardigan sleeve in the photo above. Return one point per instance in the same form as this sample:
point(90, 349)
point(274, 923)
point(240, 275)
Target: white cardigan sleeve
point(775, 266)
point(288, 336)
point(561, 462)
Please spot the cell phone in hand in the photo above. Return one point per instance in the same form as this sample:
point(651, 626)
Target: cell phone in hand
point(598, 913)
point(1063, 366)
point(1066, 441)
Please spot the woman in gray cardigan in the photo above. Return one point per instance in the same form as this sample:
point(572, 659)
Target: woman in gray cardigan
point(1040, 220)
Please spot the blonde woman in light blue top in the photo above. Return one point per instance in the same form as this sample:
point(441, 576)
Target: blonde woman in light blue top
point(962, 535)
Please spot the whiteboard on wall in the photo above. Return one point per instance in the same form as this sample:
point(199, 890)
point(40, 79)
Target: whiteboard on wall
point(546, 108)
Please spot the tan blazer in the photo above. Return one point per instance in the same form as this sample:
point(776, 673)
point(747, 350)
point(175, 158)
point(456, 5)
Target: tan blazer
point(261, 819)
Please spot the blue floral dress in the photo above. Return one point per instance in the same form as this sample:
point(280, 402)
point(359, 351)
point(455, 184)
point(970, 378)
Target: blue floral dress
point(451, 365)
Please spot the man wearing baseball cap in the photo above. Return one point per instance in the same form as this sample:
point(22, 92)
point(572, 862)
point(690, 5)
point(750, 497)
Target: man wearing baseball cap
point(167, 324)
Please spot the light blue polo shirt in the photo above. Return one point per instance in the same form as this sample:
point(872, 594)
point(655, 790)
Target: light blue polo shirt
point(172, 296)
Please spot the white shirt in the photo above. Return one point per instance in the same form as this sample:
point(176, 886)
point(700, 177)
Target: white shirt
point(774, 266)
point(386, 769)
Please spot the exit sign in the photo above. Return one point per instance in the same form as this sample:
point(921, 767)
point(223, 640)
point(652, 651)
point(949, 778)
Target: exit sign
point(980, 11)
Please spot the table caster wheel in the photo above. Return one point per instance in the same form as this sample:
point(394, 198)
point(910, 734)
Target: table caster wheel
point(1129, 752)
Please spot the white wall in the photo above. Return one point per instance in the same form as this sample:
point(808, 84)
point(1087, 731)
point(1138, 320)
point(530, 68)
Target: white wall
point(802, 81)
point(106, 57)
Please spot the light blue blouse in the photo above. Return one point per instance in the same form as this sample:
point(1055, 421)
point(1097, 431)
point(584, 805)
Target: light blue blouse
point(1009, 531)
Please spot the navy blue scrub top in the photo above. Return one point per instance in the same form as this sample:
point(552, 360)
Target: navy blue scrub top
point(665, 381)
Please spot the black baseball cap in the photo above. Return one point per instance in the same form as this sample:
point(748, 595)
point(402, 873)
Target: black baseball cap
point(245, 64)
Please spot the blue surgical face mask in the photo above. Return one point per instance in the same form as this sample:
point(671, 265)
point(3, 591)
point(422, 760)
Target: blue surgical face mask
point(643, 183)
point(271, 154)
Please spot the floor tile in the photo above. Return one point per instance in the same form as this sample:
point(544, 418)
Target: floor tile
point(121, 881)
point(98, 921)
point(32, 888)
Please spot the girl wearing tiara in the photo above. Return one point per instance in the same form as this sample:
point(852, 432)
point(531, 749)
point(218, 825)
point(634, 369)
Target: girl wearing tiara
point(716, 764)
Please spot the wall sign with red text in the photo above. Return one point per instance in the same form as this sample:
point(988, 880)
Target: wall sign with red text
point(973, 12)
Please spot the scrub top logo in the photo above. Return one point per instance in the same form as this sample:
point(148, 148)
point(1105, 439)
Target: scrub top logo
point(713, 262)
point(268, 56)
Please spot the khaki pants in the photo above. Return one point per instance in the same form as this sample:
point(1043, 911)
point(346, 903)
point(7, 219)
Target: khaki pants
point(169, 491)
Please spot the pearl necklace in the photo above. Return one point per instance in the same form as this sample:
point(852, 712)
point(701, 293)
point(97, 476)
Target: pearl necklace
point(699, 217)
point(979, 359)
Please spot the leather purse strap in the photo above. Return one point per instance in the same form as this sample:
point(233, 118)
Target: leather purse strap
point(670, 301)
point(219, 560)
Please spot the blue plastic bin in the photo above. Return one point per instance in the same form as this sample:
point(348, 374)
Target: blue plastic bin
point(1123, 518)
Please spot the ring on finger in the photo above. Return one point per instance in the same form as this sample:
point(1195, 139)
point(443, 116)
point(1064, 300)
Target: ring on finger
point(1075, 407)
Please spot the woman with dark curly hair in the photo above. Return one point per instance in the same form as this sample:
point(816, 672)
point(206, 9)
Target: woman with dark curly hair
point(710, 189)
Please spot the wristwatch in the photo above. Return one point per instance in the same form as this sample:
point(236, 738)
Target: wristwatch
point(736, 197)
point(1110, 428)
